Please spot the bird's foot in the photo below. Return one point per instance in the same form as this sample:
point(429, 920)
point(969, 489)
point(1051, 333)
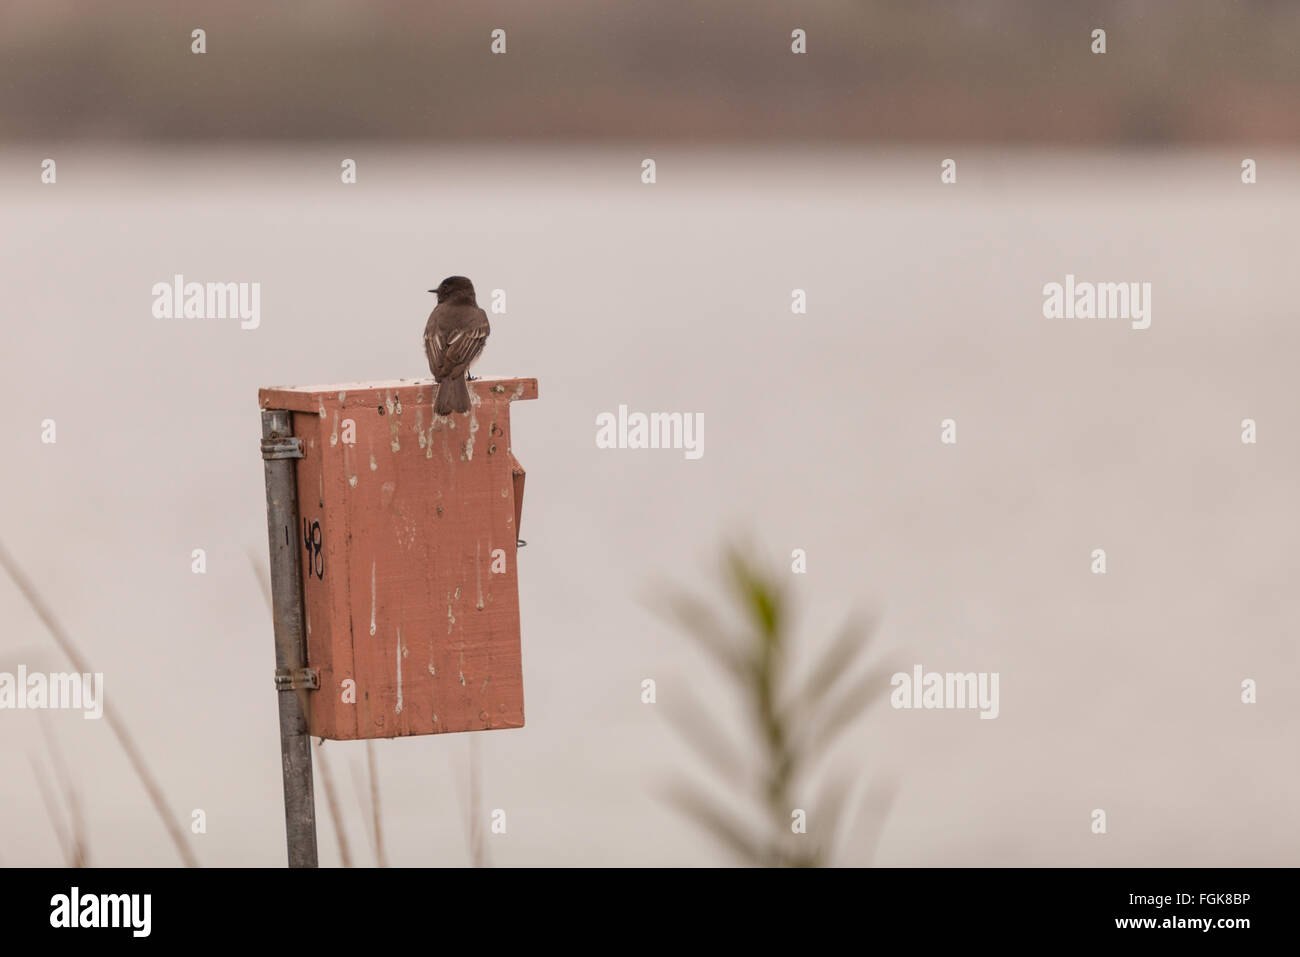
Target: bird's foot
point(470, 378)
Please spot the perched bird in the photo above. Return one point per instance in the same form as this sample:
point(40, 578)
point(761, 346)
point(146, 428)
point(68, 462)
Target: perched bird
point(454, 337)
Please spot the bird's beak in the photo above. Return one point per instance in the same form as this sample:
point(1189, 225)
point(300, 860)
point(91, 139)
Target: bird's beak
point(433, 290)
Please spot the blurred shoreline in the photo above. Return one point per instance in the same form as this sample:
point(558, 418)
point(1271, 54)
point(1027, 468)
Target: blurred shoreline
point(669, 72)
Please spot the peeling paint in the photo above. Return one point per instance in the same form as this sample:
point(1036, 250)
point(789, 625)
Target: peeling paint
point(352, 480)
point(398, 709)
point(394, 426)
point(405, 531)
point(334, 436)
point(373, 464)
point(478, 572)
point(372, 598)
point(469, 441)
point(425, 437)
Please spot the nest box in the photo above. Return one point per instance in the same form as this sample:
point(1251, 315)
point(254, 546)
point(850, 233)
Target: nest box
point(408, 529)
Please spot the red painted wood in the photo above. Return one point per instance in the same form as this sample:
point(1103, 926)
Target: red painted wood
point(414, 516)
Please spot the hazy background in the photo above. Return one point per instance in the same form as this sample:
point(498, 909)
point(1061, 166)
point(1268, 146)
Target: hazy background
point(775, 172)
point(687, 70)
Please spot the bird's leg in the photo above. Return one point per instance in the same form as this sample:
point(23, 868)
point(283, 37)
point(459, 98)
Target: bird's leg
point(470, 378)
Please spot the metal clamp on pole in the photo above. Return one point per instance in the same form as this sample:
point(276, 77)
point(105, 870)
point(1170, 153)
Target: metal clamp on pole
point(281, 447)
point(299, 679)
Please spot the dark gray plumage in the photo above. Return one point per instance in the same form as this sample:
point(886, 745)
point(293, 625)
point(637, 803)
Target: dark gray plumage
point(454, 337)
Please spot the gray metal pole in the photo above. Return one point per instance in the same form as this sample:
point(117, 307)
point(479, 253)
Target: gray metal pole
point(292, 678)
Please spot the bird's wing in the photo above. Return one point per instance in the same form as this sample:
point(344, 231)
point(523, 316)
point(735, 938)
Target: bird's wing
point(463, 345)
point(433, 346)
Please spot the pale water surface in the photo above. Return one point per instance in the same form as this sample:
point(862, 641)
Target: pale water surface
point(1118, 692)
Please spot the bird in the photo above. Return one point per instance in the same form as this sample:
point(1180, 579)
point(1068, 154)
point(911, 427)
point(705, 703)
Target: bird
point(454, 337)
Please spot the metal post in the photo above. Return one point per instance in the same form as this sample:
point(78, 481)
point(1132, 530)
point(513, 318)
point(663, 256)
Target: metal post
point(292, 678)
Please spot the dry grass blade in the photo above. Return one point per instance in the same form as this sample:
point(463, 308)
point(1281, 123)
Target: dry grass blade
point(119, 729)
point(331, 802)
point(694, 805)
point(359, 792)
point(76, 818)
point(262, 575)
point(52, 809)
point(376, 821)
point(478, 847)
point(469, 797)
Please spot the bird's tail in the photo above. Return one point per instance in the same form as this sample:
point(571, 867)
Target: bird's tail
point(453, 396)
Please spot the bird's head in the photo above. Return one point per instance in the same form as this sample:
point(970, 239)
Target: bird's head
point(454, 287)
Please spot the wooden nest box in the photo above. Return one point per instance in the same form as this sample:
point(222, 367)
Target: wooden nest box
point(407, 530)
